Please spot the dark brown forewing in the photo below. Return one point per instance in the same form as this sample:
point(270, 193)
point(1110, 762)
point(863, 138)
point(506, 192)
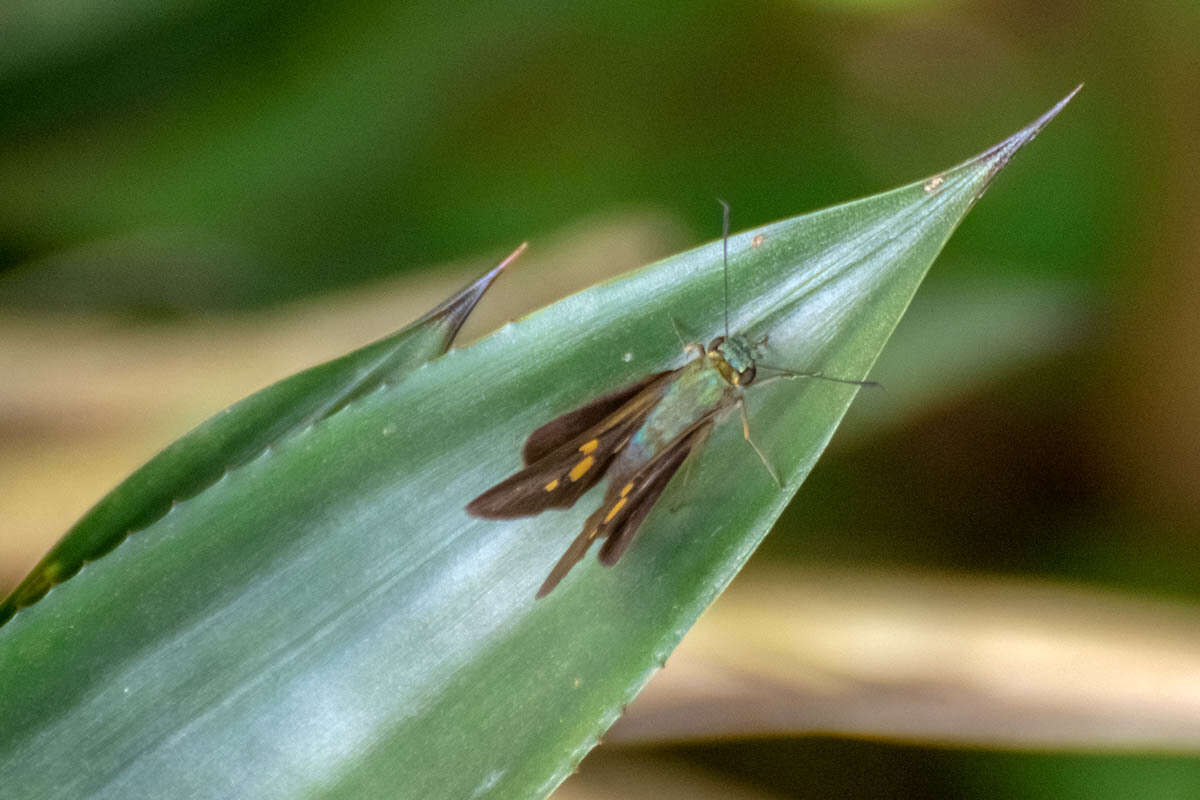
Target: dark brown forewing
point(563, 475)
point(645, 486)
point(560, 430)
point(648, 484)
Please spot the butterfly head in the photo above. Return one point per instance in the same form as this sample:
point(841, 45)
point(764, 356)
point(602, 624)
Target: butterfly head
point(734, 358)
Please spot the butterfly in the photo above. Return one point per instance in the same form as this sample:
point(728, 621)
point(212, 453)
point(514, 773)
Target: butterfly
point(639, 436)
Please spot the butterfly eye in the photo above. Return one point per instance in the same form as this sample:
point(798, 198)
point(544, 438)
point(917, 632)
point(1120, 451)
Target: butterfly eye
point(746, 376)
point(716, 344)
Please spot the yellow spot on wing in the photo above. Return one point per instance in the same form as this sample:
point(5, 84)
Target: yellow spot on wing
point(552, 485)
point(627, 488)
point(579, 469)
point(588, 447)
point(612, 512)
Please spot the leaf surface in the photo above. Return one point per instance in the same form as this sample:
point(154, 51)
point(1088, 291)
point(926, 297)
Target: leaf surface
point(326, 621)
point(242, 432)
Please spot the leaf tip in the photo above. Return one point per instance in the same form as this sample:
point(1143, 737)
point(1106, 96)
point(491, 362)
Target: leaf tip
point(454, 312)
point(476, 289)
point(997, 158)
point(495, 271)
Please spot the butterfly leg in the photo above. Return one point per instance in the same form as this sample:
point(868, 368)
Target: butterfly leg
point(787, 374)
point(687, 478)
point(687, 469)
point(683, 341)
point(684, 344)
point(741, 404)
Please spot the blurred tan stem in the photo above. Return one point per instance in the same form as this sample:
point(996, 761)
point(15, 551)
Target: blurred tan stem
point(930, 659)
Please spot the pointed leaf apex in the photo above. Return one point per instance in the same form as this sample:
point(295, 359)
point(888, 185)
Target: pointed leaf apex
point(454, 312)
point(495, 271)
point(997, 158)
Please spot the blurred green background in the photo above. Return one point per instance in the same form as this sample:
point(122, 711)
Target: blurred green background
point(200, 196)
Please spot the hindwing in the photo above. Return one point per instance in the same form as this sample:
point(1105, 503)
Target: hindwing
point(630, 496)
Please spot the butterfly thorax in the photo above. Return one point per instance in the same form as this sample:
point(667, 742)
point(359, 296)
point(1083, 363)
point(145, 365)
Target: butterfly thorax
point(704, 386)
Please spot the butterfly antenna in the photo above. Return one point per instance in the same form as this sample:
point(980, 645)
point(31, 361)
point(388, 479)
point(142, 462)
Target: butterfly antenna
point(725, 256)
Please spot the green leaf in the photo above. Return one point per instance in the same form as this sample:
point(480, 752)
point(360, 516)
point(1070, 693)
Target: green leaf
point(326, 621)
point(242, 432)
